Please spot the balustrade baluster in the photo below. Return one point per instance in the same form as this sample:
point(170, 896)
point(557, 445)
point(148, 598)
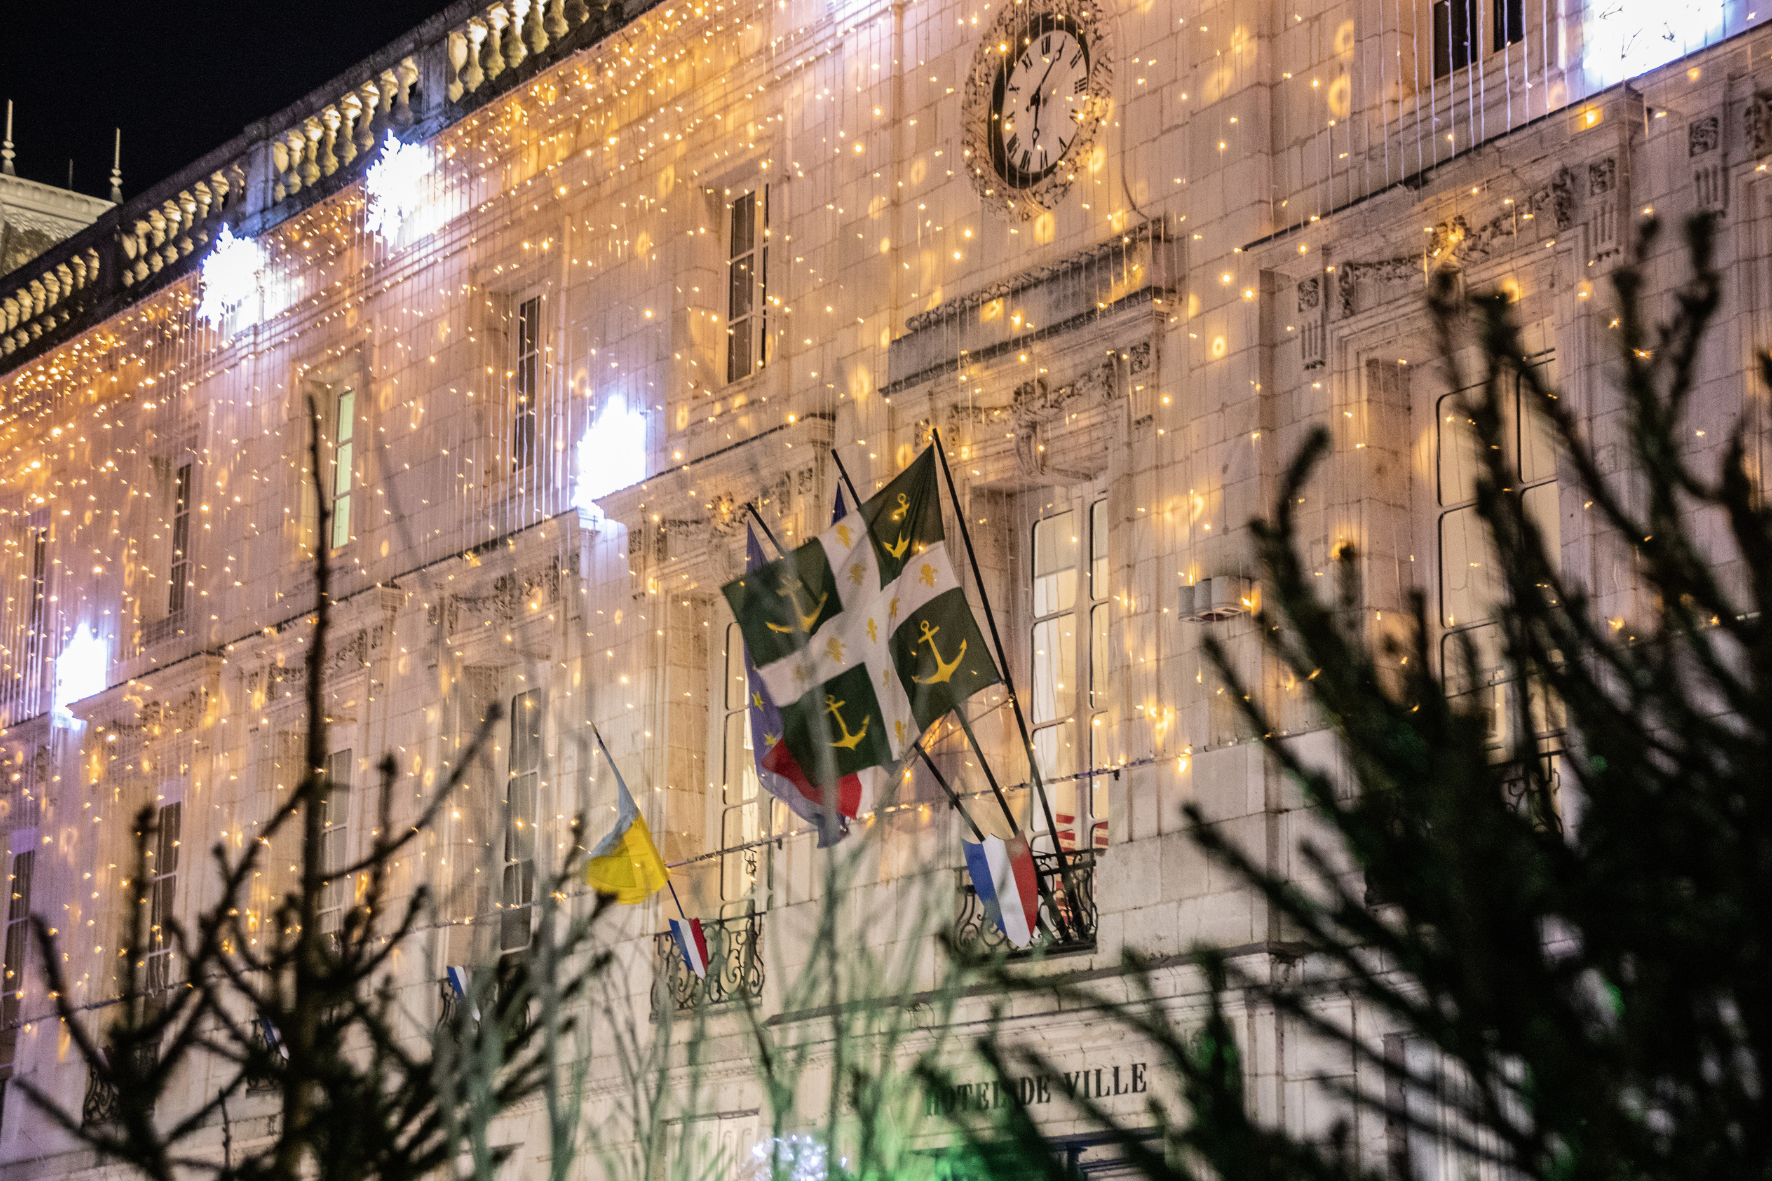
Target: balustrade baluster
point(534, 32)
point(205, 202)
point(455, 56)
point(514, 50)
point(375, 115)
point(404, 75)
point(329, 121)
point(236, 185)
point(493, 64)
point(310, 168)
point(556, 20)
point(577, 12)
point(350, 113)
point(295, 143)
point(473, 77)
point(156, 239)
point(174, 221)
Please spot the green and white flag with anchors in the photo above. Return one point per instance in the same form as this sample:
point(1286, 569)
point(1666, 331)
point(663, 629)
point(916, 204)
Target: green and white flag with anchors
point(864, 634)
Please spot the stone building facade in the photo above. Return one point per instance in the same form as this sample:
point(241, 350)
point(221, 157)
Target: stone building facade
point(642, 270)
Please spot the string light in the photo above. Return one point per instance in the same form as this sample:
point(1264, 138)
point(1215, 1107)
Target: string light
point(394, 186)
point(230, 275)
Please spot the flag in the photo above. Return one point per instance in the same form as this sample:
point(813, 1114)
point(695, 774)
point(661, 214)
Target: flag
point(273, 1038)
point(459, 983)
point(625, 862)
point(1003, 874)
point(863, 636)
point(692, 943)
point(765, 720)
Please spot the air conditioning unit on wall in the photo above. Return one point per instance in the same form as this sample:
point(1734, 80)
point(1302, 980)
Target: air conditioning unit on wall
point(1219, 597)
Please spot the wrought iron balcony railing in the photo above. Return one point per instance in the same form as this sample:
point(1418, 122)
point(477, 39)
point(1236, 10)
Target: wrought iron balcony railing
point(101, 1104)
point(735, 967)
point(1071, 928)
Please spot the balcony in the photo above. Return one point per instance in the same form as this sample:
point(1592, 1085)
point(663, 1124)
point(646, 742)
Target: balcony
point(102, 1104)
point(735, 967)
point(1069, 930)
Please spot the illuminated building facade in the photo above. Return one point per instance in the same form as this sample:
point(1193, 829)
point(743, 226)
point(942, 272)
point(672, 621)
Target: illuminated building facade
point(566, 291)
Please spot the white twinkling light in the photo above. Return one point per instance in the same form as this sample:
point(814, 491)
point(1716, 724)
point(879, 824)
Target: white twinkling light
point(81, 668)
point(790, 1158)
point(395, 185)
point(230, 276)
point(611, 455)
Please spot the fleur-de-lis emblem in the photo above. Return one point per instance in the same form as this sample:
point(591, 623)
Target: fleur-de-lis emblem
point(857, 572)
point(843, 536)
point(892, 610)
point(926, 576)
point(873, 637)
point(834, 649)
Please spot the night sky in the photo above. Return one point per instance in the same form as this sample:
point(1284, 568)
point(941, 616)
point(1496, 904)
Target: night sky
point(179, 78)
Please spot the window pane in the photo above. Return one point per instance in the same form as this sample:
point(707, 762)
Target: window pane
point(1056, 748)
point(526, 715)
point(1100, 786)
point(740, 291)
point(739, 778)
point(347, 416)
point(744, 221)
point(1538, 441)
point(1469, 585)
point(736, 688)
point(520, 818)
point(738, 871)
point(1541, 505)
point(1055, 563)
point(1510, 22)
point(1099, 654)
point(1055, 668)
point(1098, 550)
point(1459, 459)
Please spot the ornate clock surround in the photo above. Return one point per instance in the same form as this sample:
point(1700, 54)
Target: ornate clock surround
point(1015, 24)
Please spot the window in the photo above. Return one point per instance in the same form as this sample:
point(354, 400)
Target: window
point(747, 285)
point(18, 944)
point(528, 380)
point(520, 810)
point(1455, 35)
point(1510, 23)
point(163, 895)
point(335, 814)
point(741, 793)
point(343, 470)
point(179, 572)
point(1470, 582)
point(1069, 583)
point(28, 673)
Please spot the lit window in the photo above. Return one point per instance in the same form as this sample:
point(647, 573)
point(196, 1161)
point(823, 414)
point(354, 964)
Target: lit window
point(343, 467)
point(179, 576)
point(521, 787)
point(335, 812)
point(528, 383)
point(747, 285)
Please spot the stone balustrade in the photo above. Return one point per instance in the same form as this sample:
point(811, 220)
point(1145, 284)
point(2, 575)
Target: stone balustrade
point(452, 64)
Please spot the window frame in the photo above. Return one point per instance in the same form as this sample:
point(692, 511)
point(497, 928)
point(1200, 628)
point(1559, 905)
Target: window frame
point(344, 473)
point(518, 843)
point(528, 344)
point(1090, 714)
point(748, 807)
point(178, 565)
point(747, 271)
point(163, 897)
point(1483, 631)
point(335, 837)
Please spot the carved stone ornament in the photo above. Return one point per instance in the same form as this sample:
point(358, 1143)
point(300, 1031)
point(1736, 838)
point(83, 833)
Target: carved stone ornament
point(1702, 136)
point(1602, 176)
point(1455, 242)
point(509, 591)
point(1757, 122)
point(1085, 23)
point(1310, 294)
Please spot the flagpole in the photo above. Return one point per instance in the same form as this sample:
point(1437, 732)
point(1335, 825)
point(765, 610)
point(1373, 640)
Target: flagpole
point(681, 913)
point(990, 617)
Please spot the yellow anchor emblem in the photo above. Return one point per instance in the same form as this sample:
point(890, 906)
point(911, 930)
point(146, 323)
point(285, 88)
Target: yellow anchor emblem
point(897, 551)
point(944, 669)
point(848, 741)
point(790, 590)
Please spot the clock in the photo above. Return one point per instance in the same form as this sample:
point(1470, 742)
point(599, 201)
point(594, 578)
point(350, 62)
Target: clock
point(1035, 98)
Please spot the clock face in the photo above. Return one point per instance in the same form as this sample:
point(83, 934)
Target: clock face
point(1036, 96)
point(1041, 104)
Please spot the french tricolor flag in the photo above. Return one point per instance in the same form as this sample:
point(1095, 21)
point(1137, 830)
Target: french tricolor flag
point(459, 983)
point(1003, 874)
point(692, 943)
